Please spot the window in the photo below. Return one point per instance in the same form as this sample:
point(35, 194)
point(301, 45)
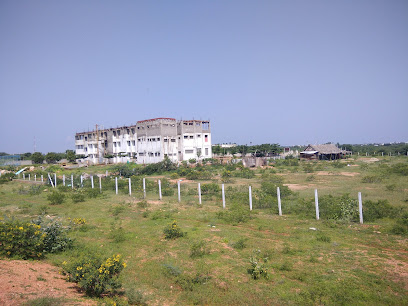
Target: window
point(114, 133)
point(114, 144)
point(86, 138)
point(128, 142)
point(191, 137)
point(198, 135)
point(133, 130)
point(173, 140)
point(165, 139)
point(185, 137)
point(189, 151)
point(133, 143)
point(206, 138)
point(118, 132)
point(141, 154)
point(197, 123)
point(128, 131)
point(158, 139)
point(206, 151)
point(206, 125)
point(190, 123)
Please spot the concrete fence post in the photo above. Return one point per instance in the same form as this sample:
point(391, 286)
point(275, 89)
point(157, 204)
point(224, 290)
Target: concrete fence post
point(42, 179)
point(63, 179)
point(82, 181)
point(100, 184)
point(250, 198)
point(144, 188)
point(130, 187)
point(29, 177)
point(178, 191)
point(116, 185)
point(279, 201)
point(72, 181)
point(223, 195)
point(199, 193)
point(360, 207)
point(92, 182)
point(23, 176)
point(35, 177)
point(55, 178)
point(160, 194)
point(317, 205)
point(106, 173)
point(52, 184)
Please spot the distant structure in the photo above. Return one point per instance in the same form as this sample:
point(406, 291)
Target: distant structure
point(146, 142)
point(323, 152)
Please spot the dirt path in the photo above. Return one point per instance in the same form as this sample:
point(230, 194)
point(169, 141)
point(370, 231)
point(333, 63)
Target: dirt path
point(22, 280)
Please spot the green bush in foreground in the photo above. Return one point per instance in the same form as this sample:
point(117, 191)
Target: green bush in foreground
point(21, 239)
point(56, 197)
point(94, 275)
point(258, 267)
point(173, 231)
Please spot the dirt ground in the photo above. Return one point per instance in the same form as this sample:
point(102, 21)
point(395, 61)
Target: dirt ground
point(22, 280)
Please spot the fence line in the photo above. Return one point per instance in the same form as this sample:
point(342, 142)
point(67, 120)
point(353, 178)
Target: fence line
point(53, 183)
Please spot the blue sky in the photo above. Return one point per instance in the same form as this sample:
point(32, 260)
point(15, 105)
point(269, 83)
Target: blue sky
point(287, 72)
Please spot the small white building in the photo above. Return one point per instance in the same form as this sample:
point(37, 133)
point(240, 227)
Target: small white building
point(149, 141)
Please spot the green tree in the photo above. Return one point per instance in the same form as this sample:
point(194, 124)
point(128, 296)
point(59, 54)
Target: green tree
point(52, 157)
point(70, 155)
point(37, 158)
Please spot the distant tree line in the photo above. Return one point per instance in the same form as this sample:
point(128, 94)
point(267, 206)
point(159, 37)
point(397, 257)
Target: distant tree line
point(50, 157)
point(266, 149)
point(377, 149)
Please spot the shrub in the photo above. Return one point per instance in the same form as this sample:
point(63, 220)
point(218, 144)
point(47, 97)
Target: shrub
point(236, 214)
point(198, 249)
point(240, 244)
point(117, 234)
point(56, 239)
point(77, 197)
point(258, 267)
point(377, 210)
point(56, 197)
point(210, 188)
point(135, 297)
point(21, 239)
point(371, 179)
point(401, 226)
point(94, 275)
point(142, 204)
point(92, 193)
point(173, 231)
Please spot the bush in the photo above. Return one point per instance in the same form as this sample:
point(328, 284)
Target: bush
point(94, 275)
point(173, 231)
point(240, 244)
point(77, 197)
point(135, 297)
point(371, 179)
point(198, 249)
point(236, 214)
point(92, 193)
point(21, 239)
point(377, 210)
point(258, 267)
point(56, 239)
point(56, 197)
point(401, 226)
point(210, 188)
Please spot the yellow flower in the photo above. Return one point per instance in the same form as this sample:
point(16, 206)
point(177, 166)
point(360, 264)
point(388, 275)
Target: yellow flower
point(20, 228)
point(124, 264)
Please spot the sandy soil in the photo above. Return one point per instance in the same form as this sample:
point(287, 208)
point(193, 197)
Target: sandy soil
point(22, 280)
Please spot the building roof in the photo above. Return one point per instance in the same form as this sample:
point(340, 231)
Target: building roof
point(324, 148)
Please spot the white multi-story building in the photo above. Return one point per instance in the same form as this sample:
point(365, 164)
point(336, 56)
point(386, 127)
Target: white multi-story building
point(149, 141)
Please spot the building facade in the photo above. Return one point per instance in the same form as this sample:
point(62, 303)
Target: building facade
point(148, 141)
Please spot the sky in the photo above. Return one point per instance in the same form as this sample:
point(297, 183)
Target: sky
point(288, 72)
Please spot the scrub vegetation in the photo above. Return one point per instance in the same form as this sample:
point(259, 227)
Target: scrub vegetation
point(133, 250)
